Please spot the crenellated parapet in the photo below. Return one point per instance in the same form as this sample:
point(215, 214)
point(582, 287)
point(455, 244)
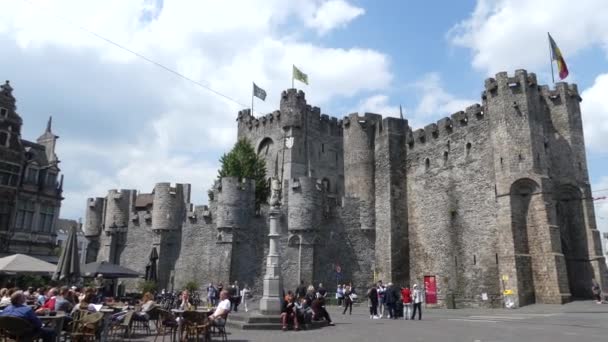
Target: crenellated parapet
point(94, 217)
point(459, 122)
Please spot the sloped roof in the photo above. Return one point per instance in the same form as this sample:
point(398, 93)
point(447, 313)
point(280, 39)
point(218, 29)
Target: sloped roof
point(37, 151)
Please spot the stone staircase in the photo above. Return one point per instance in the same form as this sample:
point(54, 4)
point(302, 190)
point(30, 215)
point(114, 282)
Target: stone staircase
point(255, 321)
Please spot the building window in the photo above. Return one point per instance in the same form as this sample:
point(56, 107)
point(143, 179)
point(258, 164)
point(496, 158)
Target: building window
point(51, 180)
point(9, 174)
point(32, 175)
point(25, 215)
point(3, 139)
point(5, 215)
point(3, 112)
point(47, 214)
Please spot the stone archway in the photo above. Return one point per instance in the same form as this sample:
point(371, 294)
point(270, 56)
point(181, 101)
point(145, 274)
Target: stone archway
point(522, 197)
point(573, 235)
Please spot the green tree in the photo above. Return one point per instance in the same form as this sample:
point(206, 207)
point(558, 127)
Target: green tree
point(243, 162)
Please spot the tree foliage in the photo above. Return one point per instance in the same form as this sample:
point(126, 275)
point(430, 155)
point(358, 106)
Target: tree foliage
point(242, 162)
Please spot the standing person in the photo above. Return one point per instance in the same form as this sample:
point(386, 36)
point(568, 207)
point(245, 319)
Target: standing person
point(390, 300)
point(381, 291)
point(220, 288)
point(372, 298)
point(211, 294)
point(597, 291)
point(406, 297)
point(417, 299)
point(235, 296)
point(321, 291)
point(301, 290)
point(348, 300)
point(340, 294)
point(245, 293)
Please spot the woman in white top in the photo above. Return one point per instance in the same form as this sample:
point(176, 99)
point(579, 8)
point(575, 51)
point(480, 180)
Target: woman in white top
point(244, 294)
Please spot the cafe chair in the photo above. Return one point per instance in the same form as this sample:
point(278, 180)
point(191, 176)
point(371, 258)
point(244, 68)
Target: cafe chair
point(167, 322)
point(16, 329)
point(86, 328)
point(122, 329)
point(195, 325)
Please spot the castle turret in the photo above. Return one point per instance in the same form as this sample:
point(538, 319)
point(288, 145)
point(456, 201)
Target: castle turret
point(169, 206)
point(118, 206)
point(359, 135)
point(93, 226)
point(294, 120)
point(392, 245)
point(530, 254)
point(235, 208)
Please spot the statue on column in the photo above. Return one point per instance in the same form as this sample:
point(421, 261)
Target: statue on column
point(275, 193)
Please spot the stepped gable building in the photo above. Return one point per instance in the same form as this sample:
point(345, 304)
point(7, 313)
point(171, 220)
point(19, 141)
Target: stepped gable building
point(30, 193)
point(488, 205)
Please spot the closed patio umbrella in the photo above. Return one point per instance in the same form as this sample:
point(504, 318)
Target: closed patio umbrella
point(151, 269)
point(68, 267)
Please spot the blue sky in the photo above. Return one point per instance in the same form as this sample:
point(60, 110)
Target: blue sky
point(127, 124)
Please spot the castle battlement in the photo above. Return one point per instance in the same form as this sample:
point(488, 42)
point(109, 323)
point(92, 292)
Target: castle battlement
point(458, 122)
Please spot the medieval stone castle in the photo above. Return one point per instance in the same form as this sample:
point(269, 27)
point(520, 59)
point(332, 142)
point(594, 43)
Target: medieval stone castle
point(489, 203)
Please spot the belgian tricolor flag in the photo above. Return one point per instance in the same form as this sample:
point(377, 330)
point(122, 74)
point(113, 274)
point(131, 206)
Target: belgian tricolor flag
point(556, 55)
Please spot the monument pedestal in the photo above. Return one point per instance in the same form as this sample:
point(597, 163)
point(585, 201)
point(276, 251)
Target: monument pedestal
point(270, 304)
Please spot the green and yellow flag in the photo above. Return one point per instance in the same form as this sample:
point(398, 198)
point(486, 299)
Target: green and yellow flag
point(299, 75)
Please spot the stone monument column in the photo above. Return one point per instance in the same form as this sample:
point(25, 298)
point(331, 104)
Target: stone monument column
point(270, 304)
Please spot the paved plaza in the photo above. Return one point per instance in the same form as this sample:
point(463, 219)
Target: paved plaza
point(582, 321)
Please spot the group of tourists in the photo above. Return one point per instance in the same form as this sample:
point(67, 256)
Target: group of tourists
point(304, 305)
point(236, 295)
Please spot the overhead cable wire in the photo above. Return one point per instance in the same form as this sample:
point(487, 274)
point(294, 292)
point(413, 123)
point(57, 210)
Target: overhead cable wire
point(149, 60)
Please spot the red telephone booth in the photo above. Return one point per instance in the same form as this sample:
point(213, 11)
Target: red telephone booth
point(430, 290)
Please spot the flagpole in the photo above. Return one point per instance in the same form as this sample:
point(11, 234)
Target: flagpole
point(292, 68)
point(252, 98)
point(551, 57)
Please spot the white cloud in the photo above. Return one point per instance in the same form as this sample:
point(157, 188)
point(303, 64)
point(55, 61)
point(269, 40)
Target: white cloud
point(332, 14)
point(601, 206)
point(505, 35)
point(595, 114)
point(127, 124)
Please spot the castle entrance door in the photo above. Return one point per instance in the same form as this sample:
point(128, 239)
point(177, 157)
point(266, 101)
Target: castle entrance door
point(430, 290)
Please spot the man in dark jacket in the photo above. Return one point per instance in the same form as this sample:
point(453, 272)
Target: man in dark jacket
point(390, 298)
point(301, 290)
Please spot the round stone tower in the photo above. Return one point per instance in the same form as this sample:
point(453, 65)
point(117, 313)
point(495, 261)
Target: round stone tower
point(166, 213)
point(93, 217)
point(117, 209)
point(359, 135)
point(305, 204)
point(235, 202)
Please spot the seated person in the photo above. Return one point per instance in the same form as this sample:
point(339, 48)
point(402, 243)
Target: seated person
point(318, 309)
point(86, 304)
point(19, 309)
point(6, 298)
point(147, 305)
point(49, 305)
point(185, 303)
point(303, 311)
point(61, 301)
point(218, 318)
point(288, 312)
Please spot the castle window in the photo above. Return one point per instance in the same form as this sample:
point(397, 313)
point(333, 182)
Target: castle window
point(445, 157)
point(3, 139)
point(448, 145)
point(468, 148)
point(427, 163)
point(323, 148)
point(3, 112)
point(474, 259)
point(25, 215)
point(520, 157)
point(265, 146)
point(496, 258)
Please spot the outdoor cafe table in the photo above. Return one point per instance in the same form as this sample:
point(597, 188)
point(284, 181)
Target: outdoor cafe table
point(55, 322)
